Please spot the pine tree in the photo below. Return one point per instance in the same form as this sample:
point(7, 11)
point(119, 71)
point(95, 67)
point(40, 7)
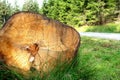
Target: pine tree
point(31, 5)
point(5, 11)
point(80, 12)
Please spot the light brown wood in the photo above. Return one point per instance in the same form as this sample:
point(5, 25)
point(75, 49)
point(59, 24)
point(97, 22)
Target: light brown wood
point(33, 36)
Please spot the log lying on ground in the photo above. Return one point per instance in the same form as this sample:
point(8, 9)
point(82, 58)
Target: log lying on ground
point(32, 40)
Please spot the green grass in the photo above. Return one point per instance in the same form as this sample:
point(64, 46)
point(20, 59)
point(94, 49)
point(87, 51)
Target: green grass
point(97, 59)
point(105, 55)
point(109, 28)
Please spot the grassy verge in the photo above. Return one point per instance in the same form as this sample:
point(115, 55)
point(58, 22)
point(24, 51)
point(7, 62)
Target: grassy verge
point(98, 59)
point(105, 55)
point(110, 28)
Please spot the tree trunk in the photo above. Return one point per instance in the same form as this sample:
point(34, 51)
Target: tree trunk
point(101, 14)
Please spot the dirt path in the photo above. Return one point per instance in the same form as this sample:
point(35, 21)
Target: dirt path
point(112, 36)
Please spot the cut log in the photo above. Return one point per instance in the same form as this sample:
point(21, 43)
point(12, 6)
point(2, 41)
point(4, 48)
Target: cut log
point(32, 40)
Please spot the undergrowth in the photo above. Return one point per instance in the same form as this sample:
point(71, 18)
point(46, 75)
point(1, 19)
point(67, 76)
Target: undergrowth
point(109, 28)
